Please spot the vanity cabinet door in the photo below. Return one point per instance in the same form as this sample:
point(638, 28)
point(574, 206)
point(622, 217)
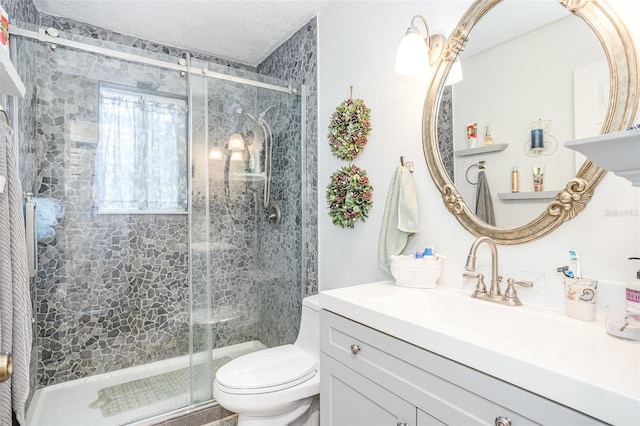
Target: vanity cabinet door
point(425, 419)
point(349, 399)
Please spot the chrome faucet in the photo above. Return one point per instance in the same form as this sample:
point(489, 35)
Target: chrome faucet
point(510, 296)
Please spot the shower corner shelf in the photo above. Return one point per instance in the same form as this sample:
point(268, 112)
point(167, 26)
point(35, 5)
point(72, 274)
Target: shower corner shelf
point(485, 149)
point(249, 177)
point(10, 82)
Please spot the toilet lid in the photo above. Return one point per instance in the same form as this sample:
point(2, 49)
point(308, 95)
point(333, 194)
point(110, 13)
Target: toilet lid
point(274, 368)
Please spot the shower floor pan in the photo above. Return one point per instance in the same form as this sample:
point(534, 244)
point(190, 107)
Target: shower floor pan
point(69, 403)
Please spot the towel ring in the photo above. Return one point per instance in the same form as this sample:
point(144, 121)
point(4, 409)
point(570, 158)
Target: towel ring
point(480, 165)
point(6, 116)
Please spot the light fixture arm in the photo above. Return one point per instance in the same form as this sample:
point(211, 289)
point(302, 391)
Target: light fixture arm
point(414, 28)
point(435, 43)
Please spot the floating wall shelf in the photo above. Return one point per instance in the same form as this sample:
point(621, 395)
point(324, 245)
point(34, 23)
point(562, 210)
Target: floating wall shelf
point(541, 195)
point(485, 149)
point(617, 152)
point(10, 82)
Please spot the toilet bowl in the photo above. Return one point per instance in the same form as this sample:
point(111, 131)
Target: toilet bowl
point(277, 386)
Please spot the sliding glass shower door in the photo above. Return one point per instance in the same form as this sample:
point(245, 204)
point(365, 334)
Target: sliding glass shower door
point(165, 250)
point(247, 168)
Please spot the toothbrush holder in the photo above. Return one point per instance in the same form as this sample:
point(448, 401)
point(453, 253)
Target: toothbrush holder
point(580, 298)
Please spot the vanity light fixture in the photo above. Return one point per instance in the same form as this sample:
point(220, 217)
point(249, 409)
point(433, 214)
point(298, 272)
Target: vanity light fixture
point(416, 54)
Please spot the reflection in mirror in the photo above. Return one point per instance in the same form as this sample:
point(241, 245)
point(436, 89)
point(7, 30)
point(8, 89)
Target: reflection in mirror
point(520, 68)
point(491, 94)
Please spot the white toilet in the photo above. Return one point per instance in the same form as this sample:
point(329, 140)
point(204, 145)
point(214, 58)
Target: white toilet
point(276, 386)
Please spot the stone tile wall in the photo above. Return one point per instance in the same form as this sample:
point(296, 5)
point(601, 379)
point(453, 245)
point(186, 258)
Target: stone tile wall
point(296, 61)
point(445, 130)
point(113, 290)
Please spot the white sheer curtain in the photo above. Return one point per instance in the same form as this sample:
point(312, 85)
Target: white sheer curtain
point(139, 165)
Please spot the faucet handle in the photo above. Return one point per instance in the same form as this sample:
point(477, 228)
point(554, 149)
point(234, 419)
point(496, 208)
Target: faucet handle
point(481, 287)
point(511, 282)
point(510, 295)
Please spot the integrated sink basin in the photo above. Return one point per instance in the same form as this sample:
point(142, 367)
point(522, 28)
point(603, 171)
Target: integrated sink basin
point(573, 362)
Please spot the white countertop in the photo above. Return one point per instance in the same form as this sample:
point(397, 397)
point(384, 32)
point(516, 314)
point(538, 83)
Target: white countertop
point(572, 362)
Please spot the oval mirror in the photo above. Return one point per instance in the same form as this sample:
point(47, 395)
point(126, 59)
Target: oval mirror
point(525, 66)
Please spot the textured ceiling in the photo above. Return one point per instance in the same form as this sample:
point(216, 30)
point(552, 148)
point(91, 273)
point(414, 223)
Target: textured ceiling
point(245, 31)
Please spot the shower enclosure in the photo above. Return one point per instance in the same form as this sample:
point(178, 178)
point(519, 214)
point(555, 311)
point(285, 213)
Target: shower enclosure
point(180, 244)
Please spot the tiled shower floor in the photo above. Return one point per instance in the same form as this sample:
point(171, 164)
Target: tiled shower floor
point(67, 404)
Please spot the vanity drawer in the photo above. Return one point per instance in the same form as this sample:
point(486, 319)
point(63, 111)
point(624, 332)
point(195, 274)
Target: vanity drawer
point(448, 391)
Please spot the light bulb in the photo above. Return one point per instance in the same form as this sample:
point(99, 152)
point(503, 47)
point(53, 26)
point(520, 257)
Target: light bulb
point(236, 142)
point(412, 57)
point(215, 153)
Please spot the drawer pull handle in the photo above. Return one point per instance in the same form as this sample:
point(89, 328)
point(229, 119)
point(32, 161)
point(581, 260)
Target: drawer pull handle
point(503, 421)
point(355, 349)
point(402, 424)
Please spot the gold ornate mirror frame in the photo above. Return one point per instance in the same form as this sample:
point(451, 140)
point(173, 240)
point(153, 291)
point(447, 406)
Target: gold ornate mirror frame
point(623, 102)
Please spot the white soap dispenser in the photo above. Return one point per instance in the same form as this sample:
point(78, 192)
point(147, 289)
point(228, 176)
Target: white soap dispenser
point(633, 294)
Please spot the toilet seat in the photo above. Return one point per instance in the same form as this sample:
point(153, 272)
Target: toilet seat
point(269, 370)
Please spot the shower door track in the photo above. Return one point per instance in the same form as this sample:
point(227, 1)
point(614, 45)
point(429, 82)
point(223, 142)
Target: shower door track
point(42, 36)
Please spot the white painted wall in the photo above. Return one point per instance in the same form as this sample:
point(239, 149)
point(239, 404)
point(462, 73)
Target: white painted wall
point(357, 44)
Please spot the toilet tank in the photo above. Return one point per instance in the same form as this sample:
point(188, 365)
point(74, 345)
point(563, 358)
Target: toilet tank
point(309, 334)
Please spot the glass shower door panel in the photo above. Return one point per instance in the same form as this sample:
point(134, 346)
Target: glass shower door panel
point(112, 296)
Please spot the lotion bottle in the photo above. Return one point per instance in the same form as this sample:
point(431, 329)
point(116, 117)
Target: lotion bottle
point(515, 180)
point(488, 140)
point(633, 294)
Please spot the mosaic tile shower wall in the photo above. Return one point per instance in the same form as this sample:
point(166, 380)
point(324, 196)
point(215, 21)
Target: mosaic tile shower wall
point(445, 130)
point(135, 284)
point(294, 61)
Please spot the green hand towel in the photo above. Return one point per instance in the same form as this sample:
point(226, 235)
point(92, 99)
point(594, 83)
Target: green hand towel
point(400, 219)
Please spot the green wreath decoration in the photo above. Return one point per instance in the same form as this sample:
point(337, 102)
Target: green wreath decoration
point(349, 196)
point(348, 129)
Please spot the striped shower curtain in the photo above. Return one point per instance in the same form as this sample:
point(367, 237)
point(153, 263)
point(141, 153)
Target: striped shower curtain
point(15, 304)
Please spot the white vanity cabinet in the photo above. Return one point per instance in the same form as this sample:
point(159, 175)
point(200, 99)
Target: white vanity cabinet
point(369, 378)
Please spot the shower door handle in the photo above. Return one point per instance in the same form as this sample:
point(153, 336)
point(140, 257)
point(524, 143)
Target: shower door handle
point(6, 367)
point(31, 234)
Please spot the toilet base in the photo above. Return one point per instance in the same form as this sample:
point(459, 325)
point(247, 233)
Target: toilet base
point(305, 413)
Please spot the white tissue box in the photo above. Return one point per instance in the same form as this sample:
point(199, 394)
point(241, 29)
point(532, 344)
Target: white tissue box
point(418, 273)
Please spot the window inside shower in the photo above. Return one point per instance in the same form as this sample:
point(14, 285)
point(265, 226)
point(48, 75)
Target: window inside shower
point(141, 157)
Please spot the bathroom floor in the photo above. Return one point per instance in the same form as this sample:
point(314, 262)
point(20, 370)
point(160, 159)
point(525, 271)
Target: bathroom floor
point(142, 390)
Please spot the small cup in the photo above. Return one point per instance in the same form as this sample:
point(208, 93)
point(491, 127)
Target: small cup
point(580, 298)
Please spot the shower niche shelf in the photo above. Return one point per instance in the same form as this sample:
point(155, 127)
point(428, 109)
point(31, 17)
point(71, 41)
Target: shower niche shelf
point(10, 82)
point(249, 177)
